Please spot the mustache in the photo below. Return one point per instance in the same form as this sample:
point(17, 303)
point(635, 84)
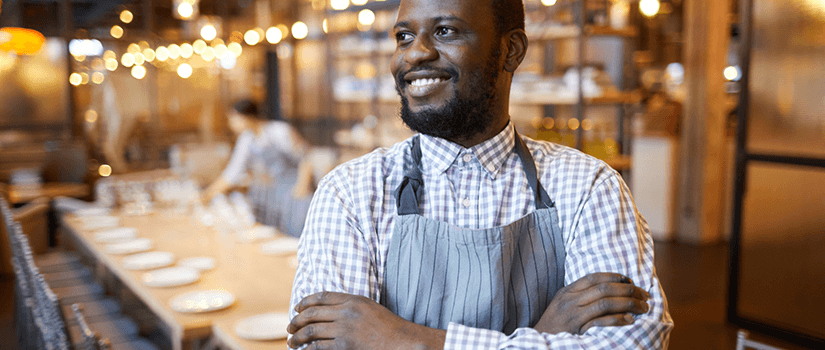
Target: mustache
point(399, 78)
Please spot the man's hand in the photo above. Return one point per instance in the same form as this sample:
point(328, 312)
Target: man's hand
point(328, 320)
point(598, 299)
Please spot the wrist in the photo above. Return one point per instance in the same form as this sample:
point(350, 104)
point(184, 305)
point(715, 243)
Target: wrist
point(425, 338)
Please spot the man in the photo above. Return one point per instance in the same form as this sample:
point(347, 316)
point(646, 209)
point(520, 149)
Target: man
point(465, 236)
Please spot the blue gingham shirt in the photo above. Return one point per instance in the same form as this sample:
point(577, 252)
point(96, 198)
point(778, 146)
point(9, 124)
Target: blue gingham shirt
point(345, 240)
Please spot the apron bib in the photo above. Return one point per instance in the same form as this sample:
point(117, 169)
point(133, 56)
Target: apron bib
point(501, 278)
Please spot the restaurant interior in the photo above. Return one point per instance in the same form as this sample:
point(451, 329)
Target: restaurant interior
point(115, 120)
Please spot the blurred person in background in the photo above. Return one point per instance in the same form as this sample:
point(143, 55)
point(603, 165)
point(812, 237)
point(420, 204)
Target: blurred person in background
point(269, 157)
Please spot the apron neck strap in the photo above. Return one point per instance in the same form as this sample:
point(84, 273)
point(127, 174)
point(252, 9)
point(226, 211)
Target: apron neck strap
point(409, 190)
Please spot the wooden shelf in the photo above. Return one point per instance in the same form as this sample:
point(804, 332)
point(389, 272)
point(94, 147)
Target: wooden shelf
point(572, 32)
point(619, 163)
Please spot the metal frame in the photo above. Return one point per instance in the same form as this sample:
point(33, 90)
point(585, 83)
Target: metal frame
point(743, 158)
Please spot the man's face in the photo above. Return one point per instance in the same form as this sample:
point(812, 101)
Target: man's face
point(445, 64)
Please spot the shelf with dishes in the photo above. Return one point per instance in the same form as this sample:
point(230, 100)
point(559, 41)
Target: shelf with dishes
point(558, 32)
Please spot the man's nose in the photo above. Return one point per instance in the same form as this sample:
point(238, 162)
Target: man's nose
point(421, 50)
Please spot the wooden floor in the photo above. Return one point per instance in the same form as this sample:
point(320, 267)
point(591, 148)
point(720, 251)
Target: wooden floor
point(694, 279)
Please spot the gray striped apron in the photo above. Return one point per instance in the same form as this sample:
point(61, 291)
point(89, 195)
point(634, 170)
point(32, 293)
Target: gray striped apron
point(500, 278)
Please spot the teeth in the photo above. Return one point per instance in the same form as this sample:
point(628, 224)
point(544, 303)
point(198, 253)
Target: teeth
point(422, 82)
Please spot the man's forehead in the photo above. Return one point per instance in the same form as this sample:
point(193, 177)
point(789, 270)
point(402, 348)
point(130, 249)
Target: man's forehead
point(429, 9)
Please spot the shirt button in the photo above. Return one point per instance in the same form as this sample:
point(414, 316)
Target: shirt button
point(466, 202)
point(491, 168)
point(467, 158)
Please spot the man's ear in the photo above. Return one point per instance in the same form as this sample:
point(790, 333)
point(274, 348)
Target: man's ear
point(516, 49)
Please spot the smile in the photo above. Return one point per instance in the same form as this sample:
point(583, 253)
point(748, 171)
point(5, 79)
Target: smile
point(425, 86)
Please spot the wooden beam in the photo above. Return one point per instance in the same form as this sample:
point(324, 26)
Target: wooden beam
point(702, 151)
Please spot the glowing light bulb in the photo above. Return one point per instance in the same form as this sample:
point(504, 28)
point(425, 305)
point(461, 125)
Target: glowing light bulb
point(162, 54)
point(339, 4)
point(208, 32)
point(649, 8)
point(116, 31)
point(198, 46)
point(185, 10)
point(548, 3)
point(174, 51)
point(273, 35)
point(133, 48)
point(75, 79)
point(138, 72)
point(126, 16)
point(732, 73)
point(220, 50)
point(149, 55)
point(366, 17)
point(109, 54)
point(111, 64)
point(91, 116)
point(97, 77)
point(184, 70)
point(208, 54)
point(104, 170)
point(186, 50)
point(235, 49)
point(299, 30)
point(251, 37)
point(139, 59)
point(127, 60)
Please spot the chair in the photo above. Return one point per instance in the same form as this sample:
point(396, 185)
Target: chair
point(88, 339)
point(742, 343)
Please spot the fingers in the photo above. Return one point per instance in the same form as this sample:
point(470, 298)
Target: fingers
point(313, 332)
point(614, 305)
point(608, 290)
point(616, 320)
point(313, 314)
point(598, 278)
point(322, 298)
point(323, 345)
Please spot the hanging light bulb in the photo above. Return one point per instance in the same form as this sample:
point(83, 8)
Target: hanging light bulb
point(162, 54)
point(208, 32)
point(649, 8)
point(186, 50)
point(126, 16)
point(138, 72)
point(116, 31)
point(235, 49)
point(273, 35)
point(75, 79)
point(97, 77)
point(174, 51)
point(339, 4)
point(325, 26)
point(251, 37)
point(208, 54)
point(220, 50)
point(366, 17)
point(184, 70)
point(111, 64)
point(198, 46)
point(185, 10)
point(548, 3)
point(300, 30)
point(127, 60)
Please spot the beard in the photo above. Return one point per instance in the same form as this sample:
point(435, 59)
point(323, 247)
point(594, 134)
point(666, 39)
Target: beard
point(461, 116)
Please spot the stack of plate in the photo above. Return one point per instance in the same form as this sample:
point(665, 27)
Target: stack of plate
point(136, 245)
point(202, 301)
point(120, 234)
point(171, 277)
point(148, 261)
point(269, 326)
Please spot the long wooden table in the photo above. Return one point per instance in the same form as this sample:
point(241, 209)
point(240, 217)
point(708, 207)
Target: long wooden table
point(25, 194)
point(260, 283)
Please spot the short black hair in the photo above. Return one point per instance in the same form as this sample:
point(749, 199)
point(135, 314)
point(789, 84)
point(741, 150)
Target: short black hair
point(247, 108)
point(509, 15)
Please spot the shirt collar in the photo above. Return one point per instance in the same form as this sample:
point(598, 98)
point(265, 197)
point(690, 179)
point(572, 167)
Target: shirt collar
point(439, 154)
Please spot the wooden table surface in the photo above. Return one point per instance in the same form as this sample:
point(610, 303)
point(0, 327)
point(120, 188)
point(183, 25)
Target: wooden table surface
point(25, 194)
point(260, 283)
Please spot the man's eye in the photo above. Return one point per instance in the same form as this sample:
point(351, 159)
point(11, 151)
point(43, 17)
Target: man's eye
point(442, 31)
point(402, 36)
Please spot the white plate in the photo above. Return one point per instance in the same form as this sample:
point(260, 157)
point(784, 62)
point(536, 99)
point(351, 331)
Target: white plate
point(256, 233)
point(148, 261)
point(136, 245)
point(99, 222)
point(202, 263)
point(171, 277)
point(263, 327)
point(119, 234)
point(202, 301)
point(280, 246)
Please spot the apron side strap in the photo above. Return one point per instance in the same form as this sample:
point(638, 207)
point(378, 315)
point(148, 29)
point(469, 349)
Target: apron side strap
point(542, 199)
point(408, 192)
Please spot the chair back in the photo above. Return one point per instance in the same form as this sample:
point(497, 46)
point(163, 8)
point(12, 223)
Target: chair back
point(88, 339)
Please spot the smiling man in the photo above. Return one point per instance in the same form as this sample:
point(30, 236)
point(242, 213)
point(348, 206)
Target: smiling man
point(469, 235)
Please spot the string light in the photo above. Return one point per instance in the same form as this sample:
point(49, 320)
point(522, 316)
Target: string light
point(162, 54)
point(284, 30)
point(186, 50)
point(97, 77)
point(208, 32)
point(300, 30)
point(149, 54)
point(138, 72)
point(109, 54)
point(84, 78)
point(251, 37)
point(91, 116)
point(104, 170)
point(325, 26)
point(220, 50)
point(75, 79)
point(273, 35)
point(548, 3)
point(235, 49)
point(174, 51)
point(185, 10)
point(127, 60)
point(116, 31)
point(366, 17)
point(133, 48)
point(184, 70)
point(208, 54)
point(198, 46)
point(649, 8)
point(339, 4)
point(139, 59)
point(111, 64)
point(732, 73)
point(126, 16)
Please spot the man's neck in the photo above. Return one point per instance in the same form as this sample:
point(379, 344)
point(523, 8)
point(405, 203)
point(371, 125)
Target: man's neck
point(488, 133)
